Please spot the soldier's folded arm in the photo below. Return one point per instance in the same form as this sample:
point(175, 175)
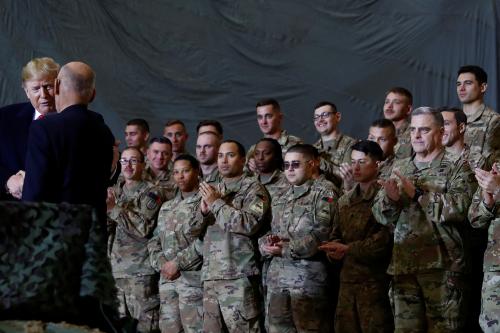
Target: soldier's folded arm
point(246, 220)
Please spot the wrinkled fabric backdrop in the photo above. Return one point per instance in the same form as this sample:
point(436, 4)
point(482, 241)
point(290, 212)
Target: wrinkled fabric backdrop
point(195, 59)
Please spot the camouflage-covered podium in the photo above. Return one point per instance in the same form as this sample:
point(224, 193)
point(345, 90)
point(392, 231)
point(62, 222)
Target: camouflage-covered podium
point(53, 263)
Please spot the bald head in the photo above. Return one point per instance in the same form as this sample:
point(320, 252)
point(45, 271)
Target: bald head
point(75, 85)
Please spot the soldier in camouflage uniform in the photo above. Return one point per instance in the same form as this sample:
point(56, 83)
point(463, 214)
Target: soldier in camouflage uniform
point(333, 146)
point(383, 132)
point(426, 201)
point(485, 213)
point(302, 218)
point(454, 141)
point(137, 134)
point(180, 223)
point(365, 248)
point(483, 124)
point(207, 148)
point(132, 209)
point(239, 207)
point(176, 132)
point(397, 108)
point(157, 169)
point(269, 118)
point(269, 166)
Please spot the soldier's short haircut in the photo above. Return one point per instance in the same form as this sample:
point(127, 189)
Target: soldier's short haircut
point(460, 116)
point(401, 91)
point(160, 139)
point(277, 152)
point(39, 67)
point(241, 149)
point(478, 72)
point(309, 151)
point(209, 122)
point(139, 122)
point(384, 123)
point(370, 148)
point(324, 103)
point(175, 122)
point(427, 110)
point(193, 161)
point(269, 101)
point(137, 150)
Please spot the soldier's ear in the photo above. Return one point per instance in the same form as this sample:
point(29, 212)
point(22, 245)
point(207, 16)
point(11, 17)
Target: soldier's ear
point(461, 128)
point(483, 87)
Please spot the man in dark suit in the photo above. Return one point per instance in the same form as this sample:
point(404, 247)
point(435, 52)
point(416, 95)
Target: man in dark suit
point(38, 78)
point(69, 154)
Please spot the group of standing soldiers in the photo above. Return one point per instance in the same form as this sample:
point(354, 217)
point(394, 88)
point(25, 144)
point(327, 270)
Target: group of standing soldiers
point(377, 232)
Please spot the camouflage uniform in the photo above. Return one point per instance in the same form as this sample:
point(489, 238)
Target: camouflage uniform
point(285, 140)
point(333, 153)
point(322, 183)
point(275, 184)
point(132, 222)
point(403, 148)
point(164, 181)
point(482, 217)
point(482, 132)
point(363, 304)
point(297, 281)
point(230, 271)
point(385, 167)
point(213, 178)
point(428, 257)
point(180, 223)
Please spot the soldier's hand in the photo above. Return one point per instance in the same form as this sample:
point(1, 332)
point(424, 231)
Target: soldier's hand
point(251, 165)
point(208, 193)
point(489, 181)
point(170, 270)
point(391, 188)
point(347, 176)
point(334, 249)
point(274, 250)
point(204, 207)
point(15, 184)
point(406, 184)
point(111, 199)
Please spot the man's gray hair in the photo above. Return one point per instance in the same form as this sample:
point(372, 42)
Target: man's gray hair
point(427, 110)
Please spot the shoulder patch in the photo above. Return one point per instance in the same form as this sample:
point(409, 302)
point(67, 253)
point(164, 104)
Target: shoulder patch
point(327, 199)
point(153, 200)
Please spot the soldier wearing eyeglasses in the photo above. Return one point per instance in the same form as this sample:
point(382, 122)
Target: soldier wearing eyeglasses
point(333, 146)
point(303, 218)
point(132, 207)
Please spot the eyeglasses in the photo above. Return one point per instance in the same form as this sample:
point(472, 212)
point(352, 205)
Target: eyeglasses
point(293, 164)
point(132, 161)
point(323, 115)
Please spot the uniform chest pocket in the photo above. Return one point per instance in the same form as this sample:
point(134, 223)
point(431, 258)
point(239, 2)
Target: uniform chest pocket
point(301, 219)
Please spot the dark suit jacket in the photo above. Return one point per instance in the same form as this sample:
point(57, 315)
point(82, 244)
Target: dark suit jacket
point(15, 121)
point(69, 158)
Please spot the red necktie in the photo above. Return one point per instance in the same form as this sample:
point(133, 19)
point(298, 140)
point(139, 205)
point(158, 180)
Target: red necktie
point(40, 117)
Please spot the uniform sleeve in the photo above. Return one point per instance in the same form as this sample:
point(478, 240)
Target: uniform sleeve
point(492, 136)
point(156, 257)
point(479, 215)
point(191, 256)
point(386, 211)
point(452, 205)
point(325, 217)
point(245, 220)
point(140, 219)
point(375, 246)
